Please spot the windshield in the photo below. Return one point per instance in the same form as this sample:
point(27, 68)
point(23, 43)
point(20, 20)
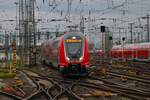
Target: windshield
point(74, 47)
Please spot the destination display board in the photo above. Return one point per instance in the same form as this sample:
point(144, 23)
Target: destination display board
point(72, 40)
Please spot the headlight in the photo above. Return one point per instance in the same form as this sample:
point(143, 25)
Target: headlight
point(81, 58)
point(67, 58)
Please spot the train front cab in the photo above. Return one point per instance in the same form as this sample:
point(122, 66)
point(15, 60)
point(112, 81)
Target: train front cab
point(74, 56)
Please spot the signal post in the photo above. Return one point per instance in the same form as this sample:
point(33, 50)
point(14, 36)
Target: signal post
point(14, 61)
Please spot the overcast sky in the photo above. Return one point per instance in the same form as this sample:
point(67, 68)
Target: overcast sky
point(128, 10)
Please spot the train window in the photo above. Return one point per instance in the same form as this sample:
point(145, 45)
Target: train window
point(74, 47)
point(141, 56)
point(129, 56)
point(55, 44)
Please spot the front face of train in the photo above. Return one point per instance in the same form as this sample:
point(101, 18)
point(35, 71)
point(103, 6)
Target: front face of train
point(74, 44)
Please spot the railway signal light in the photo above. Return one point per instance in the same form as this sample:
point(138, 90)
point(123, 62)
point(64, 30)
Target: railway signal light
point(123, 39)
point(110, 38)
point(39, 37)
point(102, 28)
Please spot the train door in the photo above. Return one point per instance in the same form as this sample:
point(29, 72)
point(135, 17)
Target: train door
point(130, 54)
point(55, 54)
point(50, 54)
point(47, 49)
point(148, 49)
point(143, 53)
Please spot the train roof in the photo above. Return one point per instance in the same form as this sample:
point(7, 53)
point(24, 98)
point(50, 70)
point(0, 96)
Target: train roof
point(132, 46)
point(52, 40)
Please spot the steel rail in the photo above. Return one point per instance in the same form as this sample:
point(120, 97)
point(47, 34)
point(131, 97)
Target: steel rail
point(11, 95)
point(110, 87)
point(131, 77)
point(39, 91)
point(117, 87)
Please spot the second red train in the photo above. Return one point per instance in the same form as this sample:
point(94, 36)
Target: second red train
point(138, 51)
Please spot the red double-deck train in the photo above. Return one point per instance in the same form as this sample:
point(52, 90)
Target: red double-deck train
point(139, 52)
point(68, 53)
point(134, 52)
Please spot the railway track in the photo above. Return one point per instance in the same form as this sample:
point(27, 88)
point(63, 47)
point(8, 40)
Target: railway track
point(139, 67)
point(66, 86)
point(58, 89)
point(54, 87)
point(137, 93)
point(10, 96)
point(131, 77)
point(122, 88)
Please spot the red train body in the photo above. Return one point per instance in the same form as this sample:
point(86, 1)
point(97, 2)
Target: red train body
point(140, 51)
point(69, 53)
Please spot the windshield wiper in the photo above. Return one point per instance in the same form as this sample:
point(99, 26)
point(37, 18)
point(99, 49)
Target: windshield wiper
point(78, 50)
